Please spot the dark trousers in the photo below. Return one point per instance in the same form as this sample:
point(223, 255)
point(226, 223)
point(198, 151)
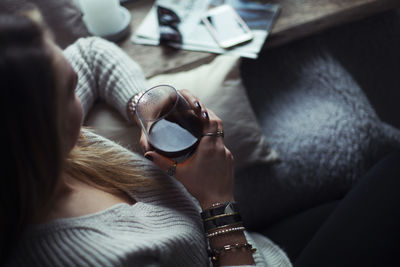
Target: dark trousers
point(362, 229)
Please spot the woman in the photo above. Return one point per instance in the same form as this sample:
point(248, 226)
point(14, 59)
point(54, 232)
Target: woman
point(72, 197)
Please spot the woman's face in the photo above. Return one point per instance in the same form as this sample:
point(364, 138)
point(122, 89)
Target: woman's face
point(66, 82)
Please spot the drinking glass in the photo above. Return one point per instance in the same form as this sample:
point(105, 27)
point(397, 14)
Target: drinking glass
point(170, 125)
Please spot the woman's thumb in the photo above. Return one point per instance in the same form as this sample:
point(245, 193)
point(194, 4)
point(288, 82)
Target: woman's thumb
point(162, 162)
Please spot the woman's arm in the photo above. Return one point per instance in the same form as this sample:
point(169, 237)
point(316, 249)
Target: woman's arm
point(208, 176)
point(105, 72)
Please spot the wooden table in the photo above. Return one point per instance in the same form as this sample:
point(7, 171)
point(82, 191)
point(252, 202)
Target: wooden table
point(298, 18)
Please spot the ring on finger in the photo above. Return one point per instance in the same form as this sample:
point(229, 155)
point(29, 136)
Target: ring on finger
point(218, 133)
point(172, 169)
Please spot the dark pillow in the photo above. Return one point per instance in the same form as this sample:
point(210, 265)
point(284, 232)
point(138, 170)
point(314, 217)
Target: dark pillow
point(313, 109)
point(62, 16)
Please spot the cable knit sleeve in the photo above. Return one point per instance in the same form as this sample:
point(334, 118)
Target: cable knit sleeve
point(105, 72)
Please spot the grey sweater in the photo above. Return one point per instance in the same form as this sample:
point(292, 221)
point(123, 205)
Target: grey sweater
point(162, 229)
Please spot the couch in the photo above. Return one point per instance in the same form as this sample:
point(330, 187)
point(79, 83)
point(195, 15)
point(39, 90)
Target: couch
point(304, 121)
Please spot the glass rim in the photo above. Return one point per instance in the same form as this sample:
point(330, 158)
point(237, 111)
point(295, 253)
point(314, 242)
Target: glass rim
point(167, 113)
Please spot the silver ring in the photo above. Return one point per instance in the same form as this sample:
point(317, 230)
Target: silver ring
point(216, 134)
point(172, 169)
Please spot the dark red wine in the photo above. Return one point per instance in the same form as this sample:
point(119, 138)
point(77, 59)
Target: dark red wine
point(176, 136)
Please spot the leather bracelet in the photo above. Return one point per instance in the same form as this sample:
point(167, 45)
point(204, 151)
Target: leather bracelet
point(220, 216)
point(222, 221)
point(227, 208)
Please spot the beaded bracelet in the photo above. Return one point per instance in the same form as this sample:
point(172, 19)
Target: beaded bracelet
point(225, 231)
point(131, 106)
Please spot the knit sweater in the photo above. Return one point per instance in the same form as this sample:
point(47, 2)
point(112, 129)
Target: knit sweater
point(163, 228)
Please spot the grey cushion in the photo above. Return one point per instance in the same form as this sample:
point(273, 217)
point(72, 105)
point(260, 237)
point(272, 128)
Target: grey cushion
point(318, 118)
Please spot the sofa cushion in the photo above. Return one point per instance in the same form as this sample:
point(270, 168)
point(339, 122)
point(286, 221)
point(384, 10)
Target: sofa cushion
point(219, 88)
point(318, 118)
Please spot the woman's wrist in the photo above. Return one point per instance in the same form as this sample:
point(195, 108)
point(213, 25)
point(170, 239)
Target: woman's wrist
point(237, 254)
point(225, 232)
point(214, 202)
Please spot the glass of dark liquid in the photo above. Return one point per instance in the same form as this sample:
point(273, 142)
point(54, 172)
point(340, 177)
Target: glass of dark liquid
point(171, 126)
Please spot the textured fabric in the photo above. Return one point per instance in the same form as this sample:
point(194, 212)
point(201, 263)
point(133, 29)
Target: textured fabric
point(163, 228)
point(316, 115)
point(106, 73)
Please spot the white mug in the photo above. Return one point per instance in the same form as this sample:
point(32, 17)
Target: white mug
point(102, 17)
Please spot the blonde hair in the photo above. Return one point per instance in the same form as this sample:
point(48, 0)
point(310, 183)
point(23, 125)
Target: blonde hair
point(111, 168)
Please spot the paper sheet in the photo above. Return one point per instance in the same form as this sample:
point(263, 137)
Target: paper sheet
point(259, 17)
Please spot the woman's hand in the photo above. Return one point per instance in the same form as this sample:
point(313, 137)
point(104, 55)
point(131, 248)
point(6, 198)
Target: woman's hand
point(208, 173)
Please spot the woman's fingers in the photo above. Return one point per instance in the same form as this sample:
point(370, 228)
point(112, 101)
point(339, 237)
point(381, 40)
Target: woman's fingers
point(201, 111)
point(164, 163)
point(194, 103)
point(144, 143)
point(214, 123)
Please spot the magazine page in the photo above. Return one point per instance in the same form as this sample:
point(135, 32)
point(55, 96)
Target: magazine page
point(258, 16)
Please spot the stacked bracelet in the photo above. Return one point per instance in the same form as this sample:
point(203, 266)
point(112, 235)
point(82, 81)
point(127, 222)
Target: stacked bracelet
point(223, 215)
point(224, 218)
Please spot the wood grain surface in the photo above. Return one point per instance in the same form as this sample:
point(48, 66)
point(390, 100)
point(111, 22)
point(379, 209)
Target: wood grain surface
point(298, 19)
